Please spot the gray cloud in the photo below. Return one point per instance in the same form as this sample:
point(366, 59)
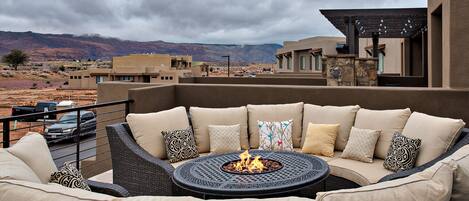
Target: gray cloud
point(204, 21)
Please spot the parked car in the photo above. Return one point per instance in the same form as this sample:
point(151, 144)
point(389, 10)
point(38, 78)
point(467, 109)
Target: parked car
point(66, 127)
point(40, 107)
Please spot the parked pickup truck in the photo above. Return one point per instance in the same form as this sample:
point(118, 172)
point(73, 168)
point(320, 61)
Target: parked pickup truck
point(40, 107)
point(66, 127)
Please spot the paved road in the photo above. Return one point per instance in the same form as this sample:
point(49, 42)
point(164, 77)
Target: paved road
point(66, 150)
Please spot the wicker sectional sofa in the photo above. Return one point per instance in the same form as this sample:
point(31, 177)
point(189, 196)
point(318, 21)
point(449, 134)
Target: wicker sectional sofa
point(141, 173)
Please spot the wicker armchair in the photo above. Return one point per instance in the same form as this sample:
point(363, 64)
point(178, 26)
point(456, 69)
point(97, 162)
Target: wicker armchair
point(135, 169)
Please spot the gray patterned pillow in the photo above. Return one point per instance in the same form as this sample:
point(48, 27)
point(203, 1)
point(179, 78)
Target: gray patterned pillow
point(70, 177)
point(361, 145)
point(402, 153)
point(180, 145)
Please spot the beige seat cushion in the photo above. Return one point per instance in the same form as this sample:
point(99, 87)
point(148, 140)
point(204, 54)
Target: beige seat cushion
point(386, 121)
point(359, 172)
point(344, 115)
point(13, 168)
point(280, 112)
point(433, 184)
point(325, 158)
point(28, 148)
point(201, 118)
point(146, 128)
point(437, 134)
point(27, 191)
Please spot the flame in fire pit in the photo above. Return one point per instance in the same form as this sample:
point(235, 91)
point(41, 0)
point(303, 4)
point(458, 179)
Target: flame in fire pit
point(247, 163)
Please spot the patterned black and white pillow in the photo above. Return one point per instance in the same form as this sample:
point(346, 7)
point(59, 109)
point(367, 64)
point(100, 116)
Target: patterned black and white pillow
point(402, 153)
point(180, 145)
point(69, 176)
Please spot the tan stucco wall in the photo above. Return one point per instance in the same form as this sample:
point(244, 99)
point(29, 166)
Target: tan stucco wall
point(139, 62)
point(393, 53)
point(452, 51)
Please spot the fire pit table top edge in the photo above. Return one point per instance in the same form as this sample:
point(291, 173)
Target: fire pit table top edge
point(205, 175)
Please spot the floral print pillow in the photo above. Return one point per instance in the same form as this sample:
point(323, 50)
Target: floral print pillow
point(275, 136)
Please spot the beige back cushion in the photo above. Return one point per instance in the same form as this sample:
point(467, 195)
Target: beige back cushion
point(26, 191)
point(433, 184)
point(345, 116)
point(146, 128)
point(280, 112)
point(386, 121)
point(201, 118)
point(13, 168)
point(32, 149)
point(437, 134)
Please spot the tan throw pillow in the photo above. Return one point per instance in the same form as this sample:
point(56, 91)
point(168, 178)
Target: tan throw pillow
point(13, 168)
point(361, 145)
point(344, 115)
point(320, 139)
point(201, 118)
point(433, 184)
point(437, 134)
point(386, 121)
point(224, 139)
point(147, 128)
point(272, 113)
point(32, 149)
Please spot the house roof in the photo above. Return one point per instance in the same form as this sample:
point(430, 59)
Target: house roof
point(389, 23)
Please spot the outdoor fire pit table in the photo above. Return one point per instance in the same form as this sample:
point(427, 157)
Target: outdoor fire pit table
point(207, 177)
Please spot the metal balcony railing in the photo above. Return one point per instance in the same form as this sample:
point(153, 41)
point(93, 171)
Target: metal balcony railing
point(69, 139)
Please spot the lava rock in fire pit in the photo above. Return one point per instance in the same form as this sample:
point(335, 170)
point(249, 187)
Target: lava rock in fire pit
point(268, 166)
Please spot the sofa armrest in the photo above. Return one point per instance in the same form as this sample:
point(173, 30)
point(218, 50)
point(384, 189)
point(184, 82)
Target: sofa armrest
point(109, 189)
point(462, 141)
point(134, 168)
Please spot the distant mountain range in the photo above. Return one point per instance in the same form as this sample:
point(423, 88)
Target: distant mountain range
point(43, 47)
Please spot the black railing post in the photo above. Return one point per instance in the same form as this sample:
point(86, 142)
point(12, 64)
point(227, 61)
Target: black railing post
point(127, 108)
point(6, 133)
point(77, 139)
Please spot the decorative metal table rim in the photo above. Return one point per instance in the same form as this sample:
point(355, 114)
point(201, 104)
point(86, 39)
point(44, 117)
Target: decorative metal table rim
point(204, 175)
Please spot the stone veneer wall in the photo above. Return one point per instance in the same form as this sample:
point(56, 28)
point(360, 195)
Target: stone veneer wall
point(349, 70)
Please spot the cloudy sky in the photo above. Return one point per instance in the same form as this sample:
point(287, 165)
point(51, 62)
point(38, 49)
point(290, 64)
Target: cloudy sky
point(201, 21)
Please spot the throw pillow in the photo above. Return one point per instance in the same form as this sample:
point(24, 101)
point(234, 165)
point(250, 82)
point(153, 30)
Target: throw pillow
point(386, 121)
point(271, 113)
point(70, 177)
point(224, 139)
point(201, 118)
point(402, 153)
point(180, 145)
point(343, 115)
point(146, 128)
point(320, 139)
point(361, 145)
point(32, 149)
point(275, 136)
point(438, 134)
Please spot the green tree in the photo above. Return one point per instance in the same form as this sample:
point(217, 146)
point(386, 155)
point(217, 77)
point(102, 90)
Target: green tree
point(15, 58)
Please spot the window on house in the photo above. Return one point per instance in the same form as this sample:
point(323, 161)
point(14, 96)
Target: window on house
point(302, 62)
point(79, 77)
point(380, 62)
point(86, 76)
point(318, 62)
point(280, 63)
point(162, 78)
point(71, 77)
point(99, 79)
point(170, 77)
point(311, 63)
point(288, 63)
